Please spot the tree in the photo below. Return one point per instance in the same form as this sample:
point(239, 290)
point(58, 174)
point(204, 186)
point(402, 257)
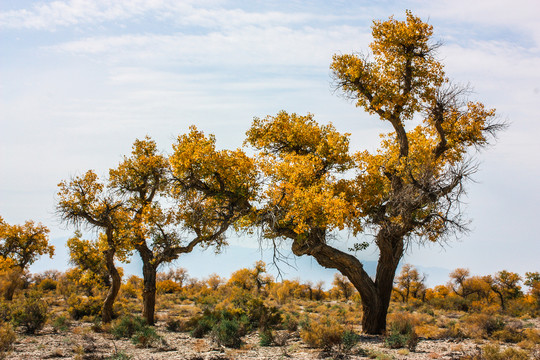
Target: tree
point(532, 280)
point(506, 285)
point(85, 201)
point(343, 286)
point(409, 283)
point(206, 191)
point(21, 246)
point(87, 256)
point(410, 189)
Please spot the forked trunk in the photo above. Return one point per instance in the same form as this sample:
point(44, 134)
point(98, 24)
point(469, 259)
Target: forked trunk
point(375, 295)
point(107, 310)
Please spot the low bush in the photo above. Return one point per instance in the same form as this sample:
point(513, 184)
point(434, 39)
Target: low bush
point(402, 333)
point(30, 313)
point(61, 323)
point(266, 337)
point(227, 333)
point(174, 324)
point(146, 337)
point(324, 333)
point(478, 326)
point(127, 326)
point(494, 352)
point(349, 340)
point(7, 338)
point(83, 306)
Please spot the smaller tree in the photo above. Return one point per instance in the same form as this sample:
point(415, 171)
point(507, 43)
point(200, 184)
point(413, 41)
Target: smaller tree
point(343, 286)
point(85, 201)
point(21, 246)
point(532, 280)
point(87, 256)
point(409, 283)
point(506, 285)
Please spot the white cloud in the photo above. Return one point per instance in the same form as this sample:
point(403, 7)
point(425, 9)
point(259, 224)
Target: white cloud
point(210, 14)
point(249, 45)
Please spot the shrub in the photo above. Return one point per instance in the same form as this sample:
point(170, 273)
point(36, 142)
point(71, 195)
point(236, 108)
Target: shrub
point(260, 315)
point(81, 306)
point(349, 340)
point(146, 337)
point(7, 338)
point(120, 356)
point(494, 352)
point(61, 323)
point(266, 337)
point(289, 322)
point(168, 287)
point(5, 311)
point(127, 326)
point(322, 334)
point(227, 333)
point(202, 324)
point(30, 313)
point(174, 324)
point(48, 284)
point(402, 334)
point(478, 326)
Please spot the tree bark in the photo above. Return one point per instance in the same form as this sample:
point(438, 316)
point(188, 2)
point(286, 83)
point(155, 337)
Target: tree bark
point(149, 283)
point(375, 295)
point(149, 292)
point(107, 310)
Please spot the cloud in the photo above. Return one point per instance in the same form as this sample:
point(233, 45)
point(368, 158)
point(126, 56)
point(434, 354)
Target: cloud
point(206, 14)
point(519, 17)
point(250, 45)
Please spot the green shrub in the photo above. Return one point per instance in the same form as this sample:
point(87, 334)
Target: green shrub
point(127, 326)
point(349, 339)
point(30, 313)
point(202, 327)
point(227, 333)
point(402, 334)
point(266, 337)
point(61, 323)
point(146, 337)
point(120, 356)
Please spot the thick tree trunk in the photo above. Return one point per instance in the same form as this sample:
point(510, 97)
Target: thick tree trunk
point(149, 282)
point(375, 295)
point(107, 310)
point(149, 292)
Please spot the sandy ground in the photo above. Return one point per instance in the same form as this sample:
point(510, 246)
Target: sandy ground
point(80, 342)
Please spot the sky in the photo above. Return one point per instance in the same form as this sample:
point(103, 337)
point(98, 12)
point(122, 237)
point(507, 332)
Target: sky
point(81, 80)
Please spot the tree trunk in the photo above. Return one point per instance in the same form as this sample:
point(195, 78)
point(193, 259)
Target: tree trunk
point(149, 292)
point(107, 310)
point(149, 280)
point(375, 295)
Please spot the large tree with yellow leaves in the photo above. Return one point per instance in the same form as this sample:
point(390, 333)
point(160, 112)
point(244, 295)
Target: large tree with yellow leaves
point(408, 190)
